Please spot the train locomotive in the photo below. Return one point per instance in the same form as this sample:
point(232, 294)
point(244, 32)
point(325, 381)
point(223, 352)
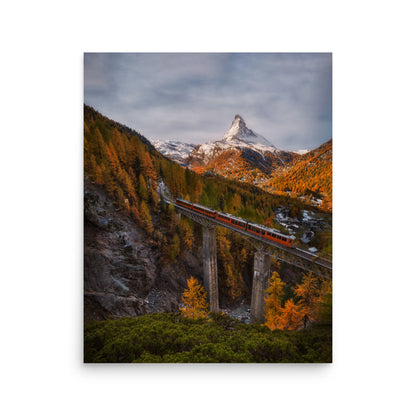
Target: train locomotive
point(260, 230)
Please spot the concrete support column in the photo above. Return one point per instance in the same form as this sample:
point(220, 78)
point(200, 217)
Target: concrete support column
point(260, 282)
point(209, 253)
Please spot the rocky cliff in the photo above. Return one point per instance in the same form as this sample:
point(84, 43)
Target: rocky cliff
point(123, 271)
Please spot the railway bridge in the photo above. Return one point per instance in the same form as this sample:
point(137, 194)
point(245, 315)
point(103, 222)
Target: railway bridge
point(265, 249)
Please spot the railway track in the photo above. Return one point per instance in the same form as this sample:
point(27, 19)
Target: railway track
point(292, 255)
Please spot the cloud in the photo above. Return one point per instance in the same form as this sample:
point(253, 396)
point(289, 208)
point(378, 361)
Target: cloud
point(193, 97)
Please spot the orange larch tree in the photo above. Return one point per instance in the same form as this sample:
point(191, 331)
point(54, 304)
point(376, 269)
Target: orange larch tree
point(146, 218)
point(194, 300)
point(308, 292)
point(273, 302)
point(291, 316)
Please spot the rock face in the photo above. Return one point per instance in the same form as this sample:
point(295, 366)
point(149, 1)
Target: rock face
point(239, 130)
point(123, 275)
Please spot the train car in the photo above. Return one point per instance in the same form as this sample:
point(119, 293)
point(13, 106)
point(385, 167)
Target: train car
point(203, 210)
point(184, 203)
point(195, 207)
point(260, 230)
point(230, 219)
point(271, 234)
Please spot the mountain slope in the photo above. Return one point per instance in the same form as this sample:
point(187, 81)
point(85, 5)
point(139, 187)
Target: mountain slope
point(241, 154)
point(174, 150)
point(311, 173)
point(137, 253)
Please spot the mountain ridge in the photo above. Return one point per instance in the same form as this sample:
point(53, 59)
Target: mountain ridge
point(241, 154)
point(310, 174)
point(246, 156)
point(240, 131)
point(174, 149)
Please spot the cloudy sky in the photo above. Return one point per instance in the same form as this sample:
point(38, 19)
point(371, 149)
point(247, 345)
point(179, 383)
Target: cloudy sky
point(286, 98)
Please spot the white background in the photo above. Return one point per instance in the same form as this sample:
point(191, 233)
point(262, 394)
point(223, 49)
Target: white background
point(41, 209)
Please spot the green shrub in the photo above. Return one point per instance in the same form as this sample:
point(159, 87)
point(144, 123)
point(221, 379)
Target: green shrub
point(171, 338)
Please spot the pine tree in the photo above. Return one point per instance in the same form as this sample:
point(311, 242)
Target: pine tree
point(186, 233)
point(291, 316)
point(308, 293)
point(194, 300)
point(143, 188)
point(273, 302)
point(154, 198)
point(127, 185)
point(118, 142)
point(99, 178)
point(136, 214)
point(173, 219)
point(149, 169)
point(146, 217)
point(325, 302)
point(113, 159)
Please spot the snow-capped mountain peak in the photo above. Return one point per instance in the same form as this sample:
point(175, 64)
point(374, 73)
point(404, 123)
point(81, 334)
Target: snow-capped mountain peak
point(239, 130)
point(175, 150)
point(240, 140)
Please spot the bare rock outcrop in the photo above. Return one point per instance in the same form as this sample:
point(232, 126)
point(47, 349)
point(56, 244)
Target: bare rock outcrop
point(123, 271)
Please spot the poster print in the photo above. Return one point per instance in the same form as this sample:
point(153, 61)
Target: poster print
point(207, 208)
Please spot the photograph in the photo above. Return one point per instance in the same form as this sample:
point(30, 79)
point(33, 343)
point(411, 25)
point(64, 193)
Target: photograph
point(207, 205)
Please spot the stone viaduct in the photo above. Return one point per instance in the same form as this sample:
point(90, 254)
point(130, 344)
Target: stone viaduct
point(265, 249)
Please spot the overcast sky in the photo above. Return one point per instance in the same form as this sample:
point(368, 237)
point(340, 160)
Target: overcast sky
point(286, 98)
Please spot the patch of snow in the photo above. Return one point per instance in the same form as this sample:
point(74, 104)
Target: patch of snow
point(307, 215)
point(163, 190)
point(208, 151)
point(301, 151)
point(307, 237)
point(173, 149)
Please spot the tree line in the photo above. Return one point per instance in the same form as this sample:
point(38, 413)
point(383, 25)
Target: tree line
point(311, 303)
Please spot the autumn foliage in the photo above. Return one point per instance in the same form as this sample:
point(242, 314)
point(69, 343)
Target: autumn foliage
point(128, 167)
point(308, 294)
point(273, 302)
point(311, 173)
point(312, 302)
point(194, 300)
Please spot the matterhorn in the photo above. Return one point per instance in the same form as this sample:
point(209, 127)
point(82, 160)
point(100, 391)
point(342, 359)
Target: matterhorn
point(239, 131)
point(241, 154)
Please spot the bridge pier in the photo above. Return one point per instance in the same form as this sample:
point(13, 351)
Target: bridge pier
point(260, 281)
point(209, 253)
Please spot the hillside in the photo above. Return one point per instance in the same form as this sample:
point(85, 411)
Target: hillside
point(138, 253)
point(125, 272)
point(171, 338)
point(311, 174)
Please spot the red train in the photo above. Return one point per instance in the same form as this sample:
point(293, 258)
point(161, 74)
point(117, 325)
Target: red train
point(260, 230)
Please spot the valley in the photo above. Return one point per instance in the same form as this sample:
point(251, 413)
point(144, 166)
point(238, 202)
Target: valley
point(139, 254)
point(246, 156)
